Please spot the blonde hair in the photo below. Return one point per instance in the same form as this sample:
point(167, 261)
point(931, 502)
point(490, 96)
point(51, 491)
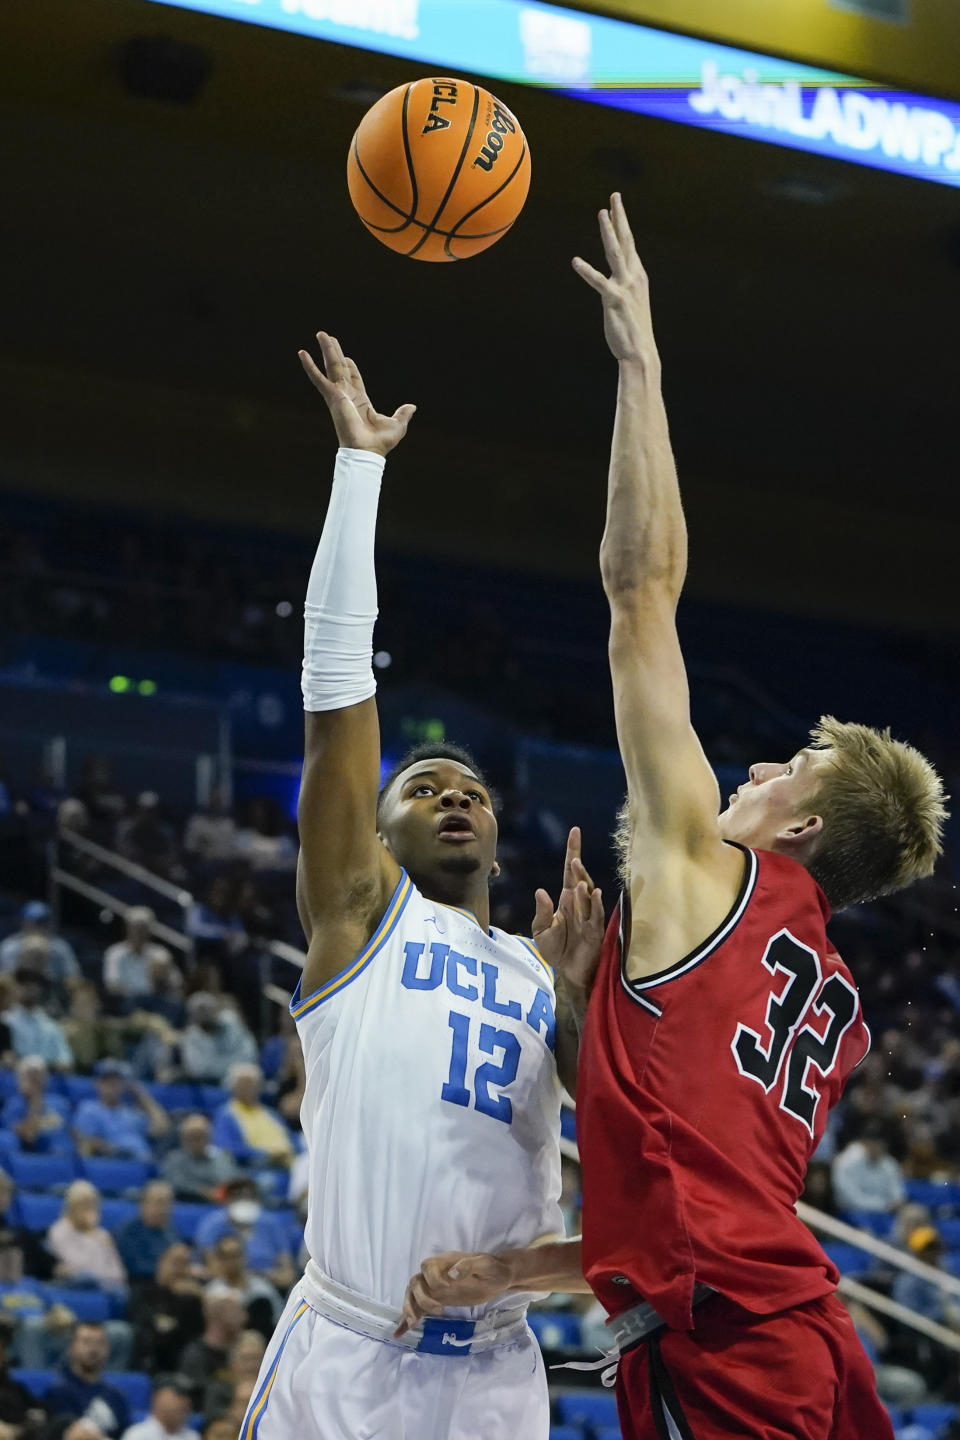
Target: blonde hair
point(883, 810)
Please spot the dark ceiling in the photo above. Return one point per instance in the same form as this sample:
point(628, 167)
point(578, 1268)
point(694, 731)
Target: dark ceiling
point(164, 261)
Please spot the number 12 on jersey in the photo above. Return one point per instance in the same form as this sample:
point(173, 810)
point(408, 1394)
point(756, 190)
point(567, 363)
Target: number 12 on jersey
point(491, 1042)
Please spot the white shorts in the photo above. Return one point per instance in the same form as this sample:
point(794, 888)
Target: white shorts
point(320, 1381)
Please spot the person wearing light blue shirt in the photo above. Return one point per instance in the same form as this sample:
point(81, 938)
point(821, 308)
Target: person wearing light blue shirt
point(109, 1126)
point(36, 919)
point(32, 1030)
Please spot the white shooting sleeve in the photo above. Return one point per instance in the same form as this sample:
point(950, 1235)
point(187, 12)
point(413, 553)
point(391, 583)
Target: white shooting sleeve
point(341, 603)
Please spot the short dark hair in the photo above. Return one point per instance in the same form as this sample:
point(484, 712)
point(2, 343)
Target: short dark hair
point(437, 750)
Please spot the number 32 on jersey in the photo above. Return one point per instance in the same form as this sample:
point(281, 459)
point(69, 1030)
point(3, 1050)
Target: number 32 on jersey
point(805, 1022)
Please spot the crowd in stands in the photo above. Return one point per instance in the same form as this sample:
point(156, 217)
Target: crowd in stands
point(153, 1182)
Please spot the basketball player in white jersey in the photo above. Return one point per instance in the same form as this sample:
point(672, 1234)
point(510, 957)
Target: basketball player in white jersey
point(431, 1041)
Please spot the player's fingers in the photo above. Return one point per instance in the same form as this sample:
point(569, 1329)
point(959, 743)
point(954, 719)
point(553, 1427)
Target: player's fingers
point(596, 909)
point(583, 903)
point(594, 279)
point(621, 226)
point(313, 372)
point(573, 851)
point(422, 1299)
point(611, 245)
point(405, 413)
point(543, 915)
point(333, 357)
point(582, 873)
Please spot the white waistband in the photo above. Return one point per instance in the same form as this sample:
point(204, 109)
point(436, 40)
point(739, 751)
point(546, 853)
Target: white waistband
point(436, 1336)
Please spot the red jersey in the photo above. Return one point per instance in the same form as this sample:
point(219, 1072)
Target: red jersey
point(702, 1092)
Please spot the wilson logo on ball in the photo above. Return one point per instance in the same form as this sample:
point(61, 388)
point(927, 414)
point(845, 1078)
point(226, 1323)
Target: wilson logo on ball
point(438, 169)
point(501, 123)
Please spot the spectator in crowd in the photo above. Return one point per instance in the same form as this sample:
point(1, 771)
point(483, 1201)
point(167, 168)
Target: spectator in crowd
point(211, 831)
point(896, 1384)
point(22, 1252)
point(144, 1239)
point(167, 1314)
point(169, 1412)
point(227, 1263)
point(82, 1390)
point(263, 842)
point(111, 1124)
point(32, 1030)
point(146, 839)
point(198, 1170)
point(129, 964)
point(246, 1127)
point(165, 999)
point(246, 1358)
point(81, 1248)
point(291, 1081)
point(926, 1296)
point(866, 1176)
point(36, 923)
point(208, 1357)
point(215, 924)
point(910, 1217)
point(222, 1429)
point(38, 1119)
point(214, 1040)
point(19, 1409)
point(105, 803)
point(263, 1234)
point(90, 1034)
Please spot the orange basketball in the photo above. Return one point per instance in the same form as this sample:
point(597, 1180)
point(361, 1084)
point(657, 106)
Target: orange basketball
point(438, 169)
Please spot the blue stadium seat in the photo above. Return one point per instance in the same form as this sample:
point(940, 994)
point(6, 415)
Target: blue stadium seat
point(875, 1221)
point(849, 1259)
point(933, 1192)
point(8, 1084)
point(588, 1407)
point(88, 1305)
point(78, 1087)
point(566, 1432)
point(38, 1212)
point(556, 1329)
point(136, 1385)
point(38, 1382)
point(187, 1216)
point(271, 1055)
point(210, 1098)
point(950, 1230)
point(9, 1144)
point(608, 1432)
point(568, 1123)
point(41, 1172)
point(116, 1212)
point(935, 1415)
point(175, 1097)
point(112, 1177)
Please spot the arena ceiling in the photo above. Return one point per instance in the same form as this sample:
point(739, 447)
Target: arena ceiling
point(164, 261)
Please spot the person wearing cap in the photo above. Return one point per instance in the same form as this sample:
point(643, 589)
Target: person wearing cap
point(169, 1411)
point(38, 1119)
point(122, 1120)
point(36, 919)
point(32, 1031)
point(128, 966)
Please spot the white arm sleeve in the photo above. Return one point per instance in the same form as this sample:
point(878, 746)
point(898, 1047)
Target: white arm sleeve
point(341, 604)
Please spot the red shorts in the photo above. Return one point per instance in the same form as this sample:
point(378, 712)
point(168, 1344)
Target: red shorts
point(801, 1374)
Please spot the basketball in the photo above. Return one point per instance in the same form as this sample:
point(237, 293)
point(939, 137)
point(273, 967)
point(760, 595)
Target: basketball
point(438, 169)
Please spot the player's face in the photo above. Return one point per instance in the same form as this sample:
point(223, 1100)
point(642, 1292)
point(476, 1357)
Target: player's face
point(775, 800)
point(437, 818)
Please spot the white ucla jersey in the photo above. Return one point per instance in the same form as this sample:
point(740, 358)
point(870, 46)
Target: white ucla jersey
point(432, 1104)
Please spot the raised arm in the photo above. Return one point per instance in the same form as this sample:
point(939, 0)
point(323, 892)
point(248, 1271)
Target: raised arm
point(344, 875)
point(672, 791)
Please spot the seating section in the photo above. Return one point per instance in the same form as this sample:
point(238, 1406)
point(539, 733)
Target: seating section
point(585, 1408)
point(113, 1177)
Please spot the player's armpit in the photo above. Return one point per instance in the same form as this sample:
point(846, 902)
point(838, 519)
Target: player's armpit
point(345, 875)
point(673, 792)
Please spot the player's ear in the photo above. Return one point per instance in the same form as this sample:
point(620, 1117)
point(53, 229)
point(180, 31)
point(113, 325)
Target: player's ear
point(384, 842)
point(795, 839)
point(495, 869)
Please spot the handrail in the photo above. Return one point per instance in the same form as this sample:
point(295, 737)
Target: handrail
point(840, 1230)
point(895, 1311)
point(118, 907)
point(176, 893)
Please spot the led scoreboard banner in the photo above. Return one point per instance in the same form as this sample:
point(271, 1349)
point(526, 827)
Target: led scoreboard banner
point(634, 67)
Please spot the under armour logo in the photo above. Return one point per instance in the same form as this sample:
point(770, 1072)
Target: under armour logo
point(450, 1339)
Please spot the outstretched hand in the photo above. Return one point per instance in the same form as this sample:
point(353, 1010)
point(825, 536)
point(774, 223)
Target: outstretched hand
point(625, 292)
point(453, 1279)
point(340, 383)
point(569, 937)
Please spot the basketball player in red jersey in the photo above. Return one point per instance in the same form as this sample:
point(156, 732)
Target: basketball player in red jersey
point(722, 1024)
